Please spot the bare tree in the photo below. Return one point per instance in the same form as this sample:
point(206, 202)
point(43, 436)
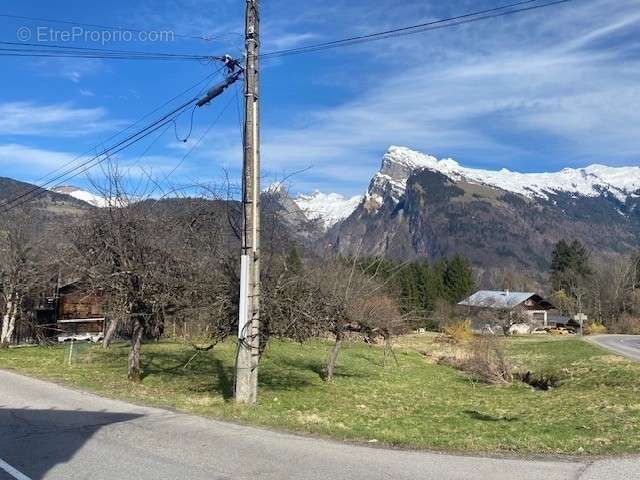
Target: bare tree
point(354, 301)
point(379, 316)
point(18, 268)
point(610, 294)
point(146, 260)
point(505, 278)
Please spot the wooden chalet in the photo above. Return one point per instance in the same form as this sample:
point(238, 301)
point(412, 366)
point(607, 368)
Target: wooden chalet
point(531, 304)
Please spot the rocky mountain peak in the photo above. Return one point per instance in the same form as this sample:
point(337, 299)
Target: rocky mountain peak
point(390, 183)
point(329, 208)
point(398, 163)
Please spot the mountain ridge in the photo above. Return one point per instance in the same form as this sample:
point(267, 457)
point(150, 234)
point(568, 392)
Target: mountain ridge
point(592, 180)
point(398, 163)
point(417, 206)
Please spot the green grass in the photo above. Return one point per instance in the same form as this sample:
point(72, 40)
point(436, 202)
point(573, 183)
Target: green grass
point(418, 404)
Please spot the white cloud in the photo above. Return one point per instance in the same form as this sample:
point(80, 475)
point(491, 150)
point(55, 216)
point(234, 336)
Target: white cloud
point(291, 40)
point(502, 92)
point(503, 89)
point(69, 68)
point(62, 119)
point(39, 165)
point(22, 158)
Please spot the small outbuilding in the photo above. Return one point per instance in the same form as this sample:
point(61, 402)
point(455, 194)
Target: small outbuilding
point(80, 313)
point(530, 304)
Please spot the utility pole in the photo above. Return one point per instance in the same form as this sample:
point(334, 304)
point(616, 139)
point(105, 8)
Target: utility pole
point(246, 378)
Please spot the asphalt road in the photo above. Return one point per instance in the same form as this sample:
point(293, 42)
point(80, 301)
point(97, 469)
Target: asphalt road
point(626, 345)
point(47, 431)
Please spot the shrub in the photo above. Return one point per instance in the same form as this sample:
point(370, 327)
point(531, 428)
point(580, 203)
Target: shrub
point(626, 324)
point(459, 332)
point(488, 361)
point(595, 328)
point(485, 361)
point(444, 314)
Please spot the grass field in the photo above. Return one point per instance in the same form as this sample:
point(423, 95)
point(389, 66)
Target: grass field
point(418, 404)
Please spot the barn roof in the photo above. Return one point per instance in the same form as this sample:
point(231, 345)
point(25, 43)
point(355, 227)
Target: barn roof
point(497, 299)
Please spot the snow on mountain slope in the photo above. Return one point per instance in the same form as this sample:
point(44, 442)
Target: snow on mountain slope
point(330, 208)
point(75, 192)
point(592, 181)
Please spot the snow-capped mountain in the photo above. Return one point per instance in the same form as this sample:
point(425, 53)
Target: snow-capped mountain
point(330, 208)
point(417, 206)
point(399, 163)
point(75, 192)
point(592, 181)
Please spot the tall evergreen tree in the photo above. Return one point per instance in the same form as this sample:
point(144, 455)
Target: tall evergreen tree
point(421, 285)
point(569, 263)
point(433, 285)
point(458, 279)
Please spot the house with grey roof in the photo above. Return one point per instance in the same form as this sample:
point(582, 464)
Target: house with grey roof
point(529, 303)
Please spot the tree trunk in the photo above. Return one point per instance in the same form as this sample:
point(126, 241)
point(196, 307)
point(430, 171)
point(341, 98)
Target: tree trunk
point(8, 324)
point(388, 350)
point(135, 375)
point(333, 357)
point(110, 333)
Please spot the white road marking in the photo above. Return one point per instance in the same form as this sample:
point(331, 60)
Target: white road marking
point(12, 471)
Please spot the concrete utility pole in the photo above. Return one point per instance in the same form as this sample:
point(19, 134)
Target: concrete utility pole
point(246, 379)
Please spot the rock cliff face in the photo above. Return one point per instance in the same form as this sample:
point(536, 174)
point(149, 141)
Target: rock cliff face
point(418, 206)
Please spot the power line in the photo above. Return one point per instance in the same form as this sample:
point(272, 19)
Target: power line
point(165, 120)
point(418, 28)
point(95, 160)
point(4, 53)
point(206, 38)
point(436, 24)
point(196, 144)
point(34, 192)
point(91, 49)
point(208, 77)
point(25, 49)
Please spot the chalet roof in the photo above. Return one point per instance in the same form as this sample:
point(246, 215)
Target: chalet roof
point(497, 299)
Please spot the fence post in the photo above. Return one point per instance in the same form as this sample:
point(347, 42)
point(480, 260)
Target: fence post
point(71, 351)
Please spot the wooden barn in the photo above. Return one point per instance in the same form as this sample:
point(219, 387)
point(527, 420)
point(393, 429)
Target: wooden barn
point(80, 314)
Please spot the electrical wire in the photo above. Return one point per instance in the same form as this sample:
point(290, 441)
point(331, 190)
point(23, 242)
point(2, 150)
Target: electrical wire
point(409, 30)
point(90, 49)
point(101, 57)
point(137, 122)
point(196, 144)
point(206, 38)
point(418, 28)
point(29, 195)
point(165, 121)
point(92, 162)
point(6, 52)
point(24, 49)
point(175, 128)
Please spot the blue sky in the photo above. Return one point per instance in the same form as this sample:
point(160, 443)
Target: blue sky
point(540, 91)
